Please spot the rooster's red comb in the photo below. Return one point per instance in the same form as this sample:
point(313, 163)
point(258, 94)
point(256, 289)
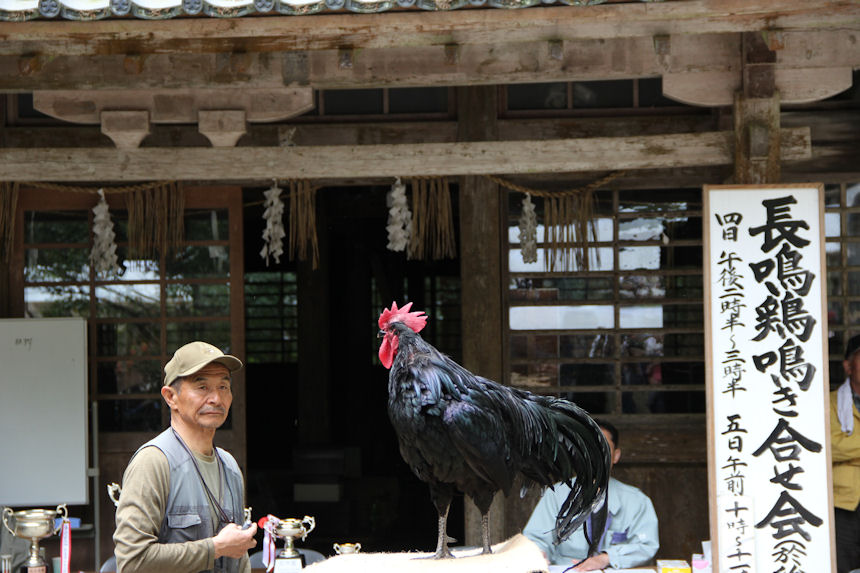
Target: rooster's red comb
point(414, 320)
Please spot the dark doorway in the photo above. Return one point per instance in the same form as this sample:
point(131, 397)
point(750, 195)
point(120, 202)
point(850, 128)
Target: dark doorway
point(354, 482)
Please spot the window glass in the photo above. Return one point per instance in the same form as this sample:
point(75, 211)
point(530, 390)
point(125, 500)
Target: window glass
point(352, 102)
point(537, 96)
point(418, 100)
point(57, 301)
point(56, 227)
point(603, 94)
point(589, 316)
point(599, 259)
point(128, 300)
point(562, 289)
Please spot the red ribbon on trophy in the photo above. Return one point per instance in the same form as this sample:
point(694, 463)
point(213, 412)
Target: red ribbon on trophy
point(268, 525)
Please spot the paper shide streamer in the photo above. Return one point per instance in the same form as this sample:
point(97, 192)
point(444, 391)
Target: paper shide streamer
point(273, 234)
point(103, 253)
point(399, 217)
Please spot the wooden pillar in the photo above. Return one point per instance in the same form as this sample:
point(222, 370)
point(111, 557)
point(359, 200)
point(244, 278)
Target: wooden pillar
point(481, 272)
point(756, 115)
point(314, 384)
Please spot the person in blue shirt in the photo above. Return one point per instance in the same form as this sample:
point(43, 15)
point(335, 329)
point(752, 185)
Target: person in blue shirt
point(630, 538)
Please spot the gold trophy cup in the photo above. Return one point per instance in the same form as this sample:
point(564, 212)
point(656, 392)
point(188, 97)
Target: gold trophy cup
point(34, 524)
point(289, 559)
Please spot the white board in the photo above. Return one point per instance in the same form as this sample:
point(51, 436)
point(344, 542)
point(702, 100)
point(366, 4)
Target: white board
point(43, 412)
point(768, 409)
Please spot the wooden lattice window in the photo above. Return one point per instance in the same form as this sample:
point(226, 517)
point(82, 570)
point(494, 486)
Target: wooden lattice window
point(626, 335)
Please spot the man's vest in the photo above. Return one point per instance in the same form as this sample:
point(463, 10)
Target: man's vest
point(188, 516)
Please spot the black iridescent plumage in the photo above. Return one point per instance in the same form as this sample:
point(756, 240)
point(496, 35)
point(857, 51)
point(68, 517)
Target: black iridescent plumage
point(458, 431)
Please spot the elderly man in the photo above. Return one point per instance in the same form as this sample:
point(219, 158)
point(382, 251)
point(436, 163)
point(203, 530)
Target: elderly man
point(845, 452)
point(182, 498)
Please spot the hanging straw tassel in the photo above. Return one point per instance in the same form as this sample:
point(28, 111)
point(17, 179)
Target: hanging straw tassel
point(432, 220)
point(303, 222)
point(8, 205)
point(569, 230)
point(156, 220)
point(568, 222)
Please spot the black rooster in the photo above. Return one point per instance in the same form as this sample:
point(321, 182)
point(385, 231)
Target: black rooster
point(460, 431)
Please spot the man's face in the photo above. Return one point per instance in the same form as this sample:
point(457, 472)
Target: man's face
point(203, 399)
point(852, 368)
point(614, 453)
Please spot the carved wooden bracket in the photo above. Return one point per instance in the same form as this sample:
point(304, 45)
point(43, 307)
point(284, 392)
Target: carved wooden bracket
point(167, 106)
point(801, 67)
point(126, 128)
point(223, 128)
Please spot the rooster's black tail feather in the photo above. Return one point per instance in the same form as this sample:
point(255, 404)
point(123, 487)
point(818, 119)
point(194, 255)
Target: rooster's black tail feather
point(564, 444)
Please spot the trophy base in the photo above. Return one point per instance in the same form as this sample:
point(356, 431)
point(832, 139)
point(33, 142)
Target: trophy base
point(289, 564)
point(33, 569)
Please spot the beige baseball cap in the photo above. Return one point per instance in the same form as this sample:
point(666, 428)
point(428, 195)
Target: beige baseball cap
point(194, 356)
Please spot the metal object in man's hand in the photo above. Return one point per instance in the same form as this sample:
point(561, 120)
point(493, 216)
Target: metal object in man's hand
point(247, 514)
point(114, 491)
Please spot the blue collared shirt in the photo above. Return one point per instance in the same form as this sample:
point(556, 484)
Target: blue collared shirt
point(630, 539)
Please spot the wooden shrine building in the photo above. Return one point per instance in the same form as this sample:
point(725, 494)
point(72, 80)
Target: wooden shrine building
point(607, 119)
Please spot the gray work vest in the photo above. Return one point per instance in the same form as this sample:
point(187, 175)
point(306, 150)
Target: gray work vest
point(187, 516)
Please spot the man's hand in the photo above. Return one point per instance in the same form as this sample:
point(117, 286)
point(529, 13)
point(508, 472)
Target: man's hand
point(233, 541)
point(599, 561)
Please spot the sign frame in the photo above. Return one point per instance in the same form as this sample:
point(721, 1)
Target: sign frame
point(749, 201)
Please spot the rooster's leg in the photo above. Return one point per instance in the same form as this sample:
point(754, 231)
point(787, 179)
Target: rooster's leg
point(442, 551)
point(485, 533)
point(483, 500)
point(442, 495)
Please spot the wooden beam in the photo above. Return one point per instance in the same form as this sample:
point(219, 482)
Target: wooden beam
point(303, 134)
point(684, 62)
point(420, 28)
point(350, 161)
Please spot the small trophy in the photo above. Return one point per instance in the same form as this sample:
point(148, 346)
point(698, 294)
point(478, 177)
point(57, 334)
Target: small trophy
point(289, 559)
point(346, 548)
point(34, 524)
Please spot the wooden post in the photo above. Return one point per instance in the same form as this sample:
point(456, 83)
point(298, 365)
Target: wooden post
point(481, 272)
point(756, 114)
point(314, 384)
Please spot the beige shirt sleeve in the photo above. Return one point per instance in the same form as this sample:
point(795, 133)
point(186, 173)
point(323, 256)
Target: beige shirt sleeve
point(142, 503)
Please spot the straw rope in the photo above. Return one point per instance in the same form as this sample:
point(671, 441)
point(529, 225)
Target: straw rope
point(95, 190)
point(568, 221)
point(156, 213)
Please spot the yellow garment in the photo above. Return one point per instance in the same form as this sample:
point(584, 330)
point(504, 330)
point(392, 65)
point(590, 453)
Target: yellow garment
point(845, 452)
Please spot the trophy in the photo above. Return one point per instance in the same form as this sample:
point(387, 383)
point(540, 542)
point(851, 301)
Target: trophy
point(289, 559)
point(34, 524)
point(345, 548)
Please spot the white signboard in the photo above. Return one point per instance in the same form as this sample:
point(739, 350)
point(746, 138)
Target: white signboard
point(767, 386)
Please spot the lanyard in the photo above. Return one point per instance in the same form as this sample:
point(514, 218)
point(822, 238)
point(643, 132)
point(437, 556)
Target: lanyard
point(209, 493)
